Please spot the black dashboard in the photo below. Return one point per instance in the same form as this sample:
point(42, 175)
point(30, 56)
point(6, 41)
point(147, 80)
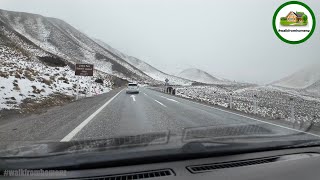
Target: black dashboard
point(291, 164)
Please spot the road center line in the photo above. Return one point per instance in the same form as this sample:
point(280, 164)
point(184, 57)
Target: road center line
point(170, 99)
point(86, 121)
point(160, 103)
point(133, 97)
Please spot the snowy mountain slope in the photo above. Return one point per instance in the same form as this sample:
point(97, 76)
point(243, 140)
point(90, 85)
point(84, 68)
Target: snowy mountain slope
point(302, 79)
point(111, 49)
point(18, 43)
point(198, 75)
point(147, 68)
point(157, 74)
point(313, 90)
point(56, 37)
point(37, 57)
point(22, 79)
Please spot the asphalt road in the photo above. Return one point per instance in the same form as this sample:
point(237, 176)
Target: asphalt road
point(119, 114)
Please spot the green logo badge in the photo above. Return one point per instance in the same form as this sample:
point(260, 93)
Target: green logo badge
point(294, 22)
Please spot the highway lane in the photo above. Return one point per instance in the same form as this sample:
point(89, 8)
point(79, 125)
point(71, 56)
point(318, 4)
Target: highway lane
point(53, 124)
point(152, 111)
point(119, 114)
point(124, 116)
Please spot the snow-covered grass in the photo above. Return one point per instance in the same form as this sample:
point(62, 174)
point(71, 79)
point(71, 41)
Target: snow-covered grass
point(270, 102)
point(21, 79)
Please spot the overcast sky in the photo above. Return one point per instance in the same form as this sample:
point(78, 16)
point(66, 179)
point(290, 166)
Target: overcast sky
point(231, 39)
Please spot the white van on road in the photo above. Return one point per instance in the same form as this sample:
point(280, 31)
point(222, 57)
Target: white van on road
point(132, 88)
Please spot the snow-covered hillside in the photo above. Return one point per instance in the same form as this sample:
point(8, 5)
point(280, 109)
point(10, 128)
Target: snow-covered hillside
point(22, 79)
point(302, 79)
point(313, 90)
point(147, 68)
point(199, 76)
point(50, 36)
point(37, 58)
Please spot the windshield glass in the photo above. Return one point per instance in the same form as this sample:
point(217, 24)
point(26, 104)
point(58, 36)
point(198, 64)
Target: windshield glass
point(82, 76)
point(132, 84)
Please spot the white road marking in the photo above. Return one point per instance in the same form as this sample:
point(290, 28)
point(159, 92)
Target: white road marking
point(160, 103)
point(133, 97)
point(170, 99)
point(253, 118)
point(85, 122)
point(256, 119)
point(155, 100)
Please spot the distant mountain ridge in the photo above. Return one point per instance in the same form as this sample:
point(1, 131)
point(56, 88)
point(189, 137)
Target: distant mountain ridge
point(147, 68)
point(306, 78)
point(199, 76)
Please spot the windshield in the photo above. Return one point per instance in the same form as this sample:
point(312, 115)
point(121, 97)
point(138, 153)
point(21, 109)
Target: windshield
point(122, 76)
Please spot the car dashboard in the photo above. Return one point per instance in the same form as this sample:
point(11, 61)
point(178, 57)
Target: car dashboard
point(288, 164)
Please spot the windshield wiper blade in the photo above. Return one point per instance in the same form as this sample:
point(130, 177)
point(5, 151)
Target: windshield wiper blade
point(222, 147)
point(306, 143)
point(57, 148)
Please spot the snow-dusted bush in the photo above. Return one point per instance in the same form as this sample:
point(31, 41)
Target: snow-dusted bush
point(270, 102)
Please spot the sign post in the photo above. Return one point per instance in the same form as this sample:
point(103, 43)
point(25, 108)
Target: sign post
point(90, 87)
point(78, 84)
point(165, 85)
point(83, 70)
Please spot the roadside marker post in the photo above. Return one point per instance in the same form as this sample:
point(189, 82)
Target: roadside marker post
point(255, 108)
point(230, 100)
point(292, 112)
point(292, 109)
point(78, 84)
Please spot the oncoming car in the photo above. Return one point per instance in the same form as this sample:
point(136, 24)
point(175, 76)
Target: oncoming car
point(132, 88)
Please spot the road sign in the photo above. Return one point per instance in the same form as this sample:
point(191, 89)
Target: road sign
point(84, 70)
point(166, 82)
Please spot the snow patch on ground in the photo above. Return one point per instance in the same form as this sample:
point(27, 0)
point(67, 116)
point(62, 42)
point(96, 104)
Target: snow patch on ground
point(21, 79)
point(270, 102)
